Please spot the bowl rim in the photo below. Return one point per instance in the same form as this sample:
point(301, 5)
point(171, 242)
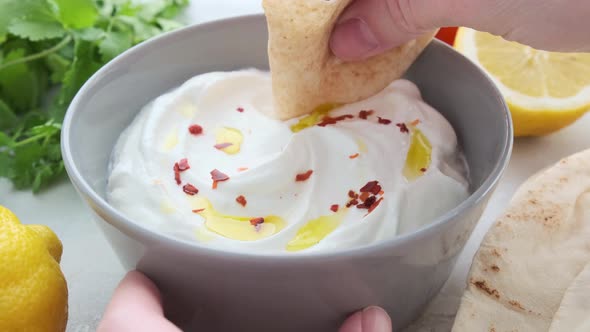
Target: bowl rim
point(146, 235)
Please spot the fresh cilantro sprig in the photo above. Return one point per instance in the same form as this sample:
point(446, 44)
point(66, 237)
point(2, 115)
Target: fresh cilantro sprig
point(48, 49)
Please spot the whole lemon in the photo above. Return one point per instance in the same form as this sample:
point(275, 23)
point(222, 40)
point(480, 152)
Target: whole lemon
point(33, 290)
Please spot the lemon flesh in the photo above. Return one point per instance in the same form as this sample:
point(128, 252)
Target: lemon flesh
point(545, 91)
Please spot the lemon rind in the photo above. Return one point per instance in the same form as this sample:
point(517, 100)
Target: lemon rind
point(465, 43)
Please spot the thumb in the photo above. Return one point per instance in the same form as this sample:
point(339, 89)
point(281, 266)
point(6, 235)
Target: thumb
point(371, 319)
point(370, 27)
point(135, 306)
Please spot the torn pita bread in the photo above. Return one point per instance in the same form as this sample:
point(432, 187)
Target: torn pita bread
point(573, 314)
point(532, 254)
point(305, 73)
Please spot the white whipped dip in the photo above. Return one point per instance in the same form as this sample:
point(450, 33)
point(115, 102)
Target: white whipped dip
point(266, 158)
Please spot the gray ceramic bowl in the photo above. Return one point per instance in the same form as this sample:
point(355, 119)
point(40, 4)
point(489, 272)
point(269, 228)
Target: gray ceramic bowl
point(220, 291)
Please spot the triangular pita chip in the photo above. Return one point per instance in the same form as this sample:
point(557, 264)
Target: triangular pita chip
point(532, 254)
point(305, 73)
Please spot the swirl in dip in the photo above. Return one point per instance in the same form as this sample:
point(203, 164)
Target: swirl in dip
point(205, 164)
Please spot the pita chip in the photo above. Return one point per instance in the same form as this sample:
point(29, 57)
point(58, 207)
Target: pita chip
point(534, 254)
point(305, 73)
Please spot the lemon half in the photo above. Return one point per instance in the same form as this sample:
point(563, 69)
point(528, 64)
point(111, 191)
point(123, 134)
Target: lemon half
point(545, 91)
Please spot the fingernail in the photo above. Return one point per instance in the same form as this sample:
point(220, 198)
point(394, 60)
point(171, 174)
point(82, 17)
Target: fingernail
point(353, 40)
point(375, 319)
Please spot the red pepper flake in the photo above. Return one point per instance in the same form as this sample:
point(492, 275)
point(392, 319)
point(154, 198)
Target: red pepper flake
point(368, 198)
point(242, 169)
point(217, 177)
point(352, 202)
point(189, 189)
point(198, 210)
point(423, 170)
point(402, 128)
point(195, 129)
point(222, 146)
point(374, 205)
point(334, 208)
point(241, 200)
point(364, 114)
point(354, 156)
point(376, 190)
point(256, 221)
point(352, 194)
point(177, 174)
point(364, 196)
point(415, 122)
point(372, 187)
point(383, 120)
point(180, 166)
point(367, 203)
point(303, 176)
point(183, 165)
point(328, 120)
point(240, 109)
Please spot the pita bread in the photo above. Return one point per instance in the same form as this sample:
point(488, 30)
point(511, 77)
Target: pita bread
point(573, 314)
point(305, 73)
point(532, 254)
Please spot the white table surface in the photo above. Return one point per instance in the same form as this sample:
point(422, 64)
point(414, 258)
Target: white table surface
point(93, 271)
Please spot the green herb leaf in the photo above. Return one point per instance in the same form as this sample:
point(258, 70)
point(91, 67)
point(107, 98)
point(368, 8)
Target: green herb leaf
point(19, 84)
point(47, 129)
point(11, 9)
point(90, 34)
point(168, 25)
point(6, 164)
point(5, 19)
point(7, 118)
point(35, 21)
point(162, 9)
point(39, 74)
point(36, 30)
point(25, 158)
point(58, 65)
point(5, 140)
point(76, 14)
point(83, 66)
point(142, 30)
point(114, 44)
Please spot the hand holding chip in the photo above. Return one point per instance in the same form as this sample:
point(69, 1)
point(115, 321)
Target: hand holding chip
point(370, 27)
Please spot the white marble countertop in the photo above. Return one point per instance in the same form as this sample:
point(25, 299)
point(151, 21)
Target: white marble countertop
point(93, 271)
